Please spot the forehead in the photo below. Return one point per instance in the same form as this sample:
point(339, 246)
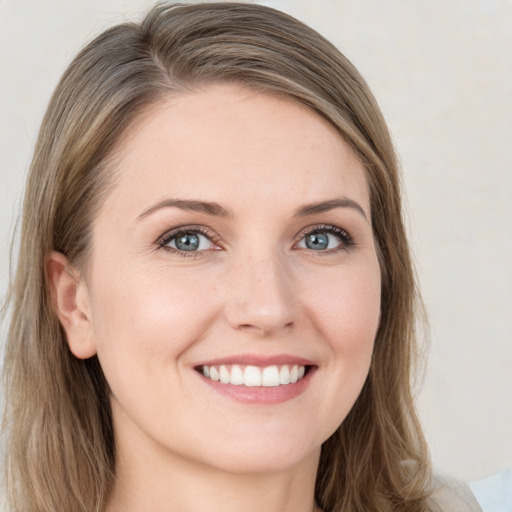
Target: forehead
point(225, 138)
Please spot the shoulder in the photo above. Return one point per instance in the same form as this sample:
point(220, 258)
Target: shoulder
point(450, 495)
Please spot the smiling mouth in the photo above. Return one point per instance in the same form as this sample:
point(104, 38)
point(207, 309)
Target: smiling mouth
point(255, 376)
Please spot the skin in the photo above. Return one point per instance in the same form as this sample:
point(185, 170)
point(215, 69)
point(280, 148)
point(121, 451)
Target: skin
point(254, 287)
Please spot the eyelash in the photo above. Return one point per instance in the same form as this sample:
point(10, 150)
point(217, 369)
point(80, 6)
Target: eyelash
point(186, 230)
point(346, 240)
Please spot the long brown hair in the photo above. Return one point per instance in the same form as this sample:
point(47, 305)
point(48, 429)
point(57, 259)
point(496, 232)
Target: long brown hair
point(60, 448)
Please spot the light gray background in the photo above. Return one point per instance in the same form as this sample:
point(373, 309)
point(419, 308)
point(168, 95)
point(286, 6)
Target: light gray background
point(442, 73)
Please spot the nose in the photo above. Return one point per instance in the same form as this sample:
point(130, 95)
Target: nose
point(261, 297)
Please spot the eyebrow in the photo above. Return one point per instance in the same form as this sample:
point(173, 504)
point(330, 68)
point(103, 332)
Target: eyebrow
point(215, 209)
point(325, 206)
point(191, 205)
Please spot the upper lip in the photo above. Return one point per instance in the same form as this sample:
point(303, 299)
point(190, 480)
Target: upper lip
point(258, 360)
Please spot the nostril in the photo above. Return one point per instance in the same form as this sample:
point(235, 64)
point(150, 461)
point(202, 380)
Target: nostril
point(265, 328)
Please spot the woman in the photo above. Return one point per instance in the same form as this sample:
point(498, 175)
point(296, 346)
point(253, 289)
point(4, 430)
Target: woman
point(214, 303)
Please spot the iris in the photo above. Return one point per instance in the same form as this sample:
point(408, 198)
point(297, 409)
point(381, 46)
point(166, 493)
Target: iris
point(187, 242)
point(317, 241)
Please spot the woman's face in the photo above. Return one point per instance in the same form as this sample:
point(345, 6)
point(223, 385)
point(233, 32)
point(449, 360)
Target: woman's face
point(236, 243)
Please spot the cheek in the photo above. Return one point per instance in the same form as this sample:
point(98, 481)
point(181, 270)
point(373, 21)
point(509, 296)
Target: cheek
point(347, 308)
point(150, 318)
point(347, 312)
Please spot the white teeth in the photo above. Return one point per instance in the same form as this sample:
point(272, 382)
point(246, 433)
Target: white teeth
point(294, 374)
point(270, 376)
point(224, 375)
point(237, 375)
point(284, 375)
point(254, 376)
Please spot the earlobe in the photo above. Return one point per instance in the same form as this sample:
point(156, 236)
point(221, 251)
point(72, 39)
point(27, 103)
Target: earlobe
point(71, 304)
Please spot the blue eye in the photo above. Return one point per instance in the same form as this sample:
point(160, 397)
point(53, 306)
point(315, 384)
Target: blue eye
point(186, 241)
point(317, 241)
point(328, 238)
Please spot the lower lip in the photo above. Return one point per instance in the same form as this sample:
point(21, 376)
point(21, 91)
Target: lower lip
point(261, 394)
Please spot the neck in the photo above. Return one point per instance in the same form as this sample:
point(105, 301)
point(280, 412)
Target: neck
point(181, 484)
point(152, 478)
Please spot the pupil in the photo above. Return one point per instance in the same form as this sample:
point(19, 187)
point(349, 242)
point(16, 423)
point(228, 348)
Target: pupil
point(317, 241)
point(188, 242)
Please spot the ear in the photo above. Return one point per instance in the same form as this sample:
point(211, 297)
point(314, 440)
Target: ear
point(71, 304)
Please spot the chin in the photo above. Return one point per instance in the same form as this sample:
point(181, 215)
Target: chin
point(261, 452)
point(266, 461)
